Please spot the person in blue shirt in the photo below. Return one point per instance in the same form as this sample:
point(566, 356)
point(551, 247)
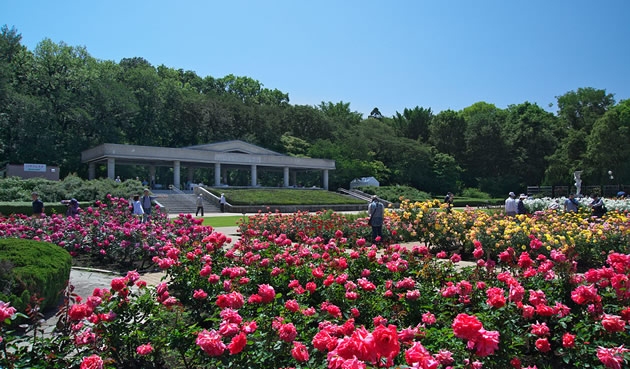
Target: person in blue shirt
point(571, 205)
point(38, 205)
point(376, 211)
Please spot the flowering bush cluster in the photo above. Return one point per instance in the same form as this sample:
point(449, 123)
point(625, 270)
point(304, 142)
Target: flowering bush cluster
point(545, 203)
point(272, 301)
point(105, 232)
point(577, 235)
point(303, 225)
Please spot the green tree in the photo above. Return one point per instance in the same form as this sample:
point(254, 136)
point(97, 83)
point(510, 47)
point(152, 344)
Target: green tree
point(580, 109)
point(340, 113)
point(413, 123)
point(530, 134)
point(609, 145)
point(447, 134)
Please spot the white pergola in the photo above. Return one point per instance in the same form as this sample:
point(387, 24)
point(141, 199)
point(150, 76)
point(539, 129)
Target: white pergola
point(221, 155)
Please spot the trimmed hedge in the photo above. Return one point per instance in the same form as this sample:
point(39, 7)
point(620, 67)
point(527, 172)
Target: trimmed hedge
point(283, 197)
point(17, 189)
point(471, 201)
point(29, 267)
point(394, 193)
point(26, 208)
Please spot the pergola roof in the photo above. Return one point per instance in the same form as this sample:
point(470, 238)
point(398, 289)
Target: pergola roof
point(228, 153)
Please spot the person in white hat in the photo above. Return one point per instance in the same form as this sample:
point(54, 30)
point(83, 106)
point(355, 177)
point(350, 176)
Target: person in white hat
point(510, 205)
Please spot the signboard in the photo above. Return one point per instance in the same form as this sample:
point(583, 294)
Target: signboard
point(35, 168)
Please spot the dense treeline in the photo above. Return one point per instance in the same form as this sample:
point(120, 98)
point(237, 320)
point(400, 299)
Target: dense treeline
point(57, 100)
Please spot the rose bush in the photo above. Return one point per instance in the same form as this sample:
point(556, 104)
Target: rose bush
point(106, 232)
point(271, 300)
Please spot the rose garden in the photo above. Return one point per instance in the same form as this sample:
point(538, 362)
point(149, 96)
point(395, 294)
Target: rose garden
point(467, 289)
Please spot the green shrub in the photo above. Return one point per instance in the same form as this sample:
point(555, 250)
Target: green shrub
point(17, 189)
point(470, 201)
point(394, 193)
point(26, 208)
point(282, 197)
point(30, 267)
point(475, 193)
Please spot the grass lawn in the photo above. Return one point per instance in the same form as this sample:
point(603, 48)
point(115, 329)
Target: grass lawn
point(283, 197)
point(215, 222)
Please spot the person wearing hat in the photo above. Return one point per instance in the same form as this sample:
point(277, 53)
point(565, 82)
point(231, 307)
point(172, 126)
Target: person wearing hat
point(511, 206)
point(222, 202)
point(520, 207)
point(73, 207)
point(449, 201)
point(597, 206)
point(376, 211)
point(38, 205)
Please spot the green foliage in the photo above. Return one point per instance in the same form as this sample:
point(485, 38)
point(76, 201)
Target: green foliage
point(32, 267)
point(283, 197)
point(26, 208)
point(476, 201)
point(474, 192)
point(71, 101)
point(16, 189)
point(394, 193)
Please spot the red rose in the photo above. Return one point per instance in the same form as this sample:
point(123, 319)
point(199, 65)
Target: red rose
point(78, 311)
point(613, 323)
point(92, 362)
point(119, 283)
point(542, 344)
point(386, 341)
point(568, 340)
point(466, 326)
point(266, 293)
point(144, 349)
point(299, 352)
point(237, 344)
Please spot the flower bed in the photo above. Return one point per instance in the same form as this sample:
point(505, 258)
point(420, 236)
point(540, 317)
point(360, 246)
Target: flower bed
point(106, 233)
point(269, 301)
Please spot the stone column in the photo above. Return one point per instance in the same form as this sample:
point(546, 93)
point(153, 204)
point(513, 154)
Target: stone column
point(91, 171)
point(176, 174)
point(254, 175)
point(217, 174)
point(191, 171)
point(294, 178)
point(151, 176)
point(286, 176)
point(325, 176)
point(111, 168)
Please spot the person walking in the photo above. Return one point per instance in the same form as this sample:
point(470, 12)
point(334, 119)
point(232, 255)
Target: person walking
point(449, 201)
point(146, 205)
point(138, 209)
point(520, 207)
point(199, 205)
point(222, 202)
point(511, 206)
point(38, 205)
point(376, 212)
point(571, 205)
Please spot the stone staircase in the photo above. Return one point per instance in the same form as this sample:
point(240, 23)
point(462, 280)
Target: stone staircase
point(185, 203)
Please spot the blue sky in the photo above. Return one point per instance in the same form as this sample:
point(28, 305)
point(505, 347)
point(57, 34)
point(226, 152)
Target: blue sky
point(386, 54)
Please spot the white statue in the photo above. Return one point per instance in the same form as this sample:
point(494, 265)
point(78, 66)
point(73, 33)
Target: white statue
point(578, 181)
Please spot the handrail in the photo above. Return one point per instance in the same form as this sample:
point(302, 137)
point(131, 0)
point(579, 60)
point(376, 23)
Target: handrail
point(357, 195)
point(180, 192)
point(205, 193)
